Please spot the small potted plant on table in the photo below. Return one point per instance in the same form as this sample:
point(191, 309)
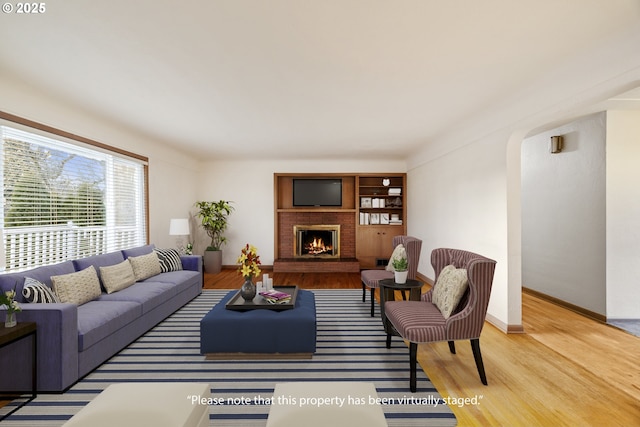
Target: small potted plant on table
point(400, 269)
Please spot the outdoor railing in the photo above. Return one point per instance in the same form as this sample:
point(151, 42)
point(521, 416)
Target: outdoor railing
point(29, 247)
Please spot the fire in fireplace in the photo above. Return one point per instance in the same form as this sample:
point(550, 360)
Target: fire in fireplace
point(311, 241)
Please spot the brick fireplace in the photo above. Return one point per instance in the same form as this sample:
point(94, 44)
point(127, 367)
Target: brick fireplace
point(342, 261)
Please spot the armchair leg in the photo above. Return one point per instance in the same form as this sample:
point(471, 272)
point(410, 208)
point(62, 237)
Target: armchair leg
point(475, 346)
point(388, 340)
point(373, 299)
point(452, 347)
point(364, 292)
point(413, 361)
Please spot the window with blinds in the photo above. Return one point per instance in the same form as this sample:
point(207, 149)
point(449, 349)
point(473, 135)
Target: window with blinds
point(65, 201)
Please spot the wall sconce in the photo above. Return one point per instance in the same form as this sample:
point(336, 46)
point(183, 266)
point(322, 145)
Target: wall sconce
point(555, 144)
point(386, 182)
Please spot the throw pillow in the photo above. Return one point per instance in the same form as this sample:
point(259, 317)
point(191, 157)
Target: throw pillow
point(169, 260)
point(398, 252)
point(145, 266)
point(35, 291)
point(77, 288)
point(117, 277)
point(449, 289)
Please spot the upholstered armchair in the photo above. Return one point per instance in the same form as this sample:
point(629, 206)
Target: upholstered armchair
point(371, 278)
point(424, 322)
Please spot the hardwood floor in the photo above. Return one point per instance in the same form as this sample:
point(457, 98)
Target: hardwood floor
point(565, 370)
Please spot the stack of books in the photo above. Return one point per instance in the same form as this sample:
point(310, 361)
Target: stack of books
point(395, 220)
point(276, 297)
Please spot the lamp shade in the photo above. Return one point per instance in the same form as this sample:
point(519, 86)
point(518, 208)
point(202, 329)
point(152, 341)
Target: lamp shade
point(179, 227)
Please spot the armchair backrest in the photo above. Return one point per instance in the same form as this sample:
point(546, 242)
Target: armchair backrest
point(469, 316)
point(413, 246)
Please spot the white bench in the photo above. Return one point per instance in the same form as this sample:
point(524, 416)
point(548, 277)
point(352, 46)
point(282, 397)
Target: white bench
point(147, 404)
point(322, 404)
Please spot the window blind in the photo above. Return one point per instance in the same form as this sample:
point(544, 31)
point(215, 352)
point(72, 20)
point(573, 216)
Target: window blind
point(64, 201)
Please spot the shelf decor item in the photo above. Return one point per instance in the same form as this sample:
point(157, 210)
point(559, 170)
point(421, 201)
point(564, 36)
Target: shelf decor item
point(8, 300)
point(249, 267)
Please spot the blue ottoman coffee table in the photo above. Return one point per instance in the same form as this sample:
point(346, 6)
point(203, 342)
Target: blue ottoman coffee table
point(260, 333)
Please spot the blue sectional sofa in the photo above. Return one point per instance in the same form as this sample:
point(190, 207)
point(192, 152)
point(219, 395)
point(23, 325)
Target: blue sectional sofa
point(75, 339)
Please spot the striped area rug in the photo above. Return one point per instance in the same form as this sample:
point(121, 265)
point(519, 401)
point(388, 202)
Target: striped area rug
point(350, 347)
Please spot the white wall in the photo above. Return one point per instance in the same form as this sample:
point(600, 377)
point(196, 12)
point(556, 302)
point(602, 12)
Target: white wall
point(567, 89)
point(249, 185)
point(458, 200)
point(623, 215)
point(563, 214)
point(172, 174)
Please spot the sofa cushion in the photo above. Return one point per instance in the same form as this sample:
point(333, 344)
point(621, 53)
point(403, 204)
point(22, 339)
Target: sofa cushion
point(35, 291)
point(148, 294)
point(449, 289)
point(99, 319)
point(145, 266)
point(398, 253)
point(169, 260)
point(43, 274)
point(77, 288)
point(102, 260)
point(117, 277)
point(137, 251)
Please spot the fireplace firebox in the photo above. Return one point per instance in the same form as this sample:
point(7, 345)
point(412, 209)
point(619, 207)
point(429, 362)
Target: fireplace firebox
point(316, 241)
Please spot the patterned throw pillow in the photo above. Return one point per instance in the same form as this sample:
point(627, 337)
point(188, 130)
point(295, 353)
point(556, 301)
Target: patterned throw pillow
point(117, 277)
point(169, 260)
point(449, 289)
point(145, 266)
point(37, 292)
point(398, 252)
point(77, 288)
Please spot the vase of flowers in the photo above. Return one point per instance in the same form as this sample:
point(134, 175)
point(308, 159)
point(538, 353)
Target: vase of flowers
point(249, 267)
point(8, 300)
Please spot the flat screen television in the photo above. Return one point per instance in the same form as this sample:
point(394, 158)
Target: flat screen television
point(317, 192)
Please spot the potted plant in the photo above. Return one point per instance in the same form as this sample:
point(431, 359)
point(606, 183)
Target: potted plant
point(400, 269)
point(213, 217)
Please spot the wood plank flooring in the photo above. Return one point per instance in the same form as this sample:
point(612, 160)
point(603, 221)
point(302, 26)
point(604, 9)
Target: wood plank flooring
point(565, 370)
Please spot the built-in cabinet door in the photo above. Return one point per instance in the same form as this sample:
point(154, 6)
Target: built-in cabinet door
point(375, 243)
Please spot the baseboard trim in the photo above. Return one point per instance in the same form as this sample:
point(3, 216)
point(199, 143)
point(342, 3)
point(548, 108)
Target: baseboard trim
point(564, 304)
point(424, 279)
point(504, 327)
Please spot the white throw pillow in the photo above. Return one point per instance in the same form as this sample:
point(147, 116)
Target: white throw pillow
point(145, 266)
point(449, 289)
point(77, 288)
point(117, 277)
point(398, 252)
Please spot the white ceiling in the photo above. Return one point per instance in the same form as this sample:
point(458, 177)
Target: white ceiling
point(297, 78)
